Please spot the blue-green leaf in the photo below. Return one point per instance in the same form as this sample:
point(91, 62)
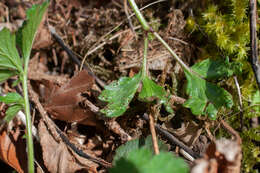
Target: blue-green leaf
point(12, 111)
point(119, 94)
point(9, 57)
point(5, 74)
point(10, 98)
point(27, 32)
point(150, 91)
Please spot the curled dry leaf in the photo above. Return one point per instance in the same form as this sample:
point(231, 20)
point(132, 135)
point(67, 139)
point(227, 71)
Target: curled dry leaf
point(57, 158)
point(63, 102)
point(222, 156)
point(12, 150)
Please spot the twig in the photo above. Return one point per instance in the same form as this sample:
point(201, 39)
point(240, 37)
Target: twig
point(172, 139)
point(253, 41)
point(72, 55)
point(152, 129)
point(232, 131)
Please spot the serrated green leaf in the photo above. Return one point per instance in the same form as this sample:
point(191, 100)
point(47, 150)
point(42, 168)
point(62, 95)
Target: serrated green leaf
point(10, 98)
point(5, 74)
point(215, 69)
point(119, 94)
point(142, 161)
point(205, 98)
point(12, 111)
point(150, 91)
point(124, 150)
point(26, 34)
point(9, 57)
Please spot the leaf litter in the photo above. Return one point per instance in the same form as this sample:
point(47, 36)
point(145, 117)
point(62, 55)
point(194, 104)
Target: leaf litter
point(82, 26)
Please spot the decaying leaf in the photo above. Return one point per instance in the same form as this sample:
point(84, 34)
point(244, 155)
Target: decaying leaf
point(222, 156)
point(63, 102)
point(13, 150)
point(57, 158)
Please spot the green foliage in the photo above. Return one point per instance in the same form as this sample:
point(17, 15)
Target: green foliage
point(5, 74)
point(207, 98)
point(26, 34)
point(137, 157)
point(226, 25)
point(12, 111)
point(10, 98)
point(9, 57)
point(17, 104)
point(120, 93)
point(150, 91)
point(12, 64)
point(124, 150)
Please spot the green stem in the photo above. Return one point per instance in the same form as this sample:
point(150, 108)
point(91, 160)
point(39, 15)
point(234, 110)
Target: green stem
point(144, 68)
point(146, 27)
point(183, 65)
point(29, 139)
point(139, 15)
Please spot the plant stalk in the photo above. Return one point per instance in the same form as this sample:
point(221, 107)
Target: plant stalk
point(146, 27)
point(144, 68)
point(29, 138)
point(139, 15)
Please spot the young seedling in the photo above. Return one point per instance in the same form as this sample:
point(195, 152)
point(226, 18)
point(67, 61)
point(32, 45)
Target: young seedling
point(205, 98)
point(11, 64)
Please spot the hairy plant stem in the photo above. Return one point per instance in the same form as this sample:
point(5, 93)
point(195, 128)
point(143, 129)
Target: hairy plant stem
point(29, 138)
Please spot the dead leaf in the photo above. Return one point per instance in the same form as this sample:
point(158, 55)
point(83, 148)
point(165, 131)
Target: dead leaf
point(63, 102)
point(12, 150)
point(57, 158)
point(222, 156)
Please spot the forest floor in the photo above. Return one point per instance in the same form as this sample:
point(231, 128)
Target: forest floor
point(98, 35)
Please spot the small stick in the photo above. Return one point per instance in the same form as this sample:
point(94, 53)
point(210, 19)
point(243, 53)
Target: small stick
point(152, 129)
point(72, 55)
point(232, 131)
point(253, 41)
point(172, 139)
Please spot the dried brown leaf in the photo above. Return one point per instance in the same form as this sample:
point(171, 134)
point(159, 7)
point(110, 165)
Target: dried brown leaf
point(57, 158)
point(12, 150)
point(63, 102)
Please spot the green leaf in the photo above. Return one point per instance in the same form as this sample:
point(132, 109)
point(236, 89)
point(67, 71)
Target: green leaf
point(150, 91)
point(27, 32)
point(12, 111)
point(205, 98)
point(256, 100)
point(12, 98)
point(215, 69)
point(142, 161)
point(5, 74)
point(9, 57)
point(119, 94)
point(124, 150)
